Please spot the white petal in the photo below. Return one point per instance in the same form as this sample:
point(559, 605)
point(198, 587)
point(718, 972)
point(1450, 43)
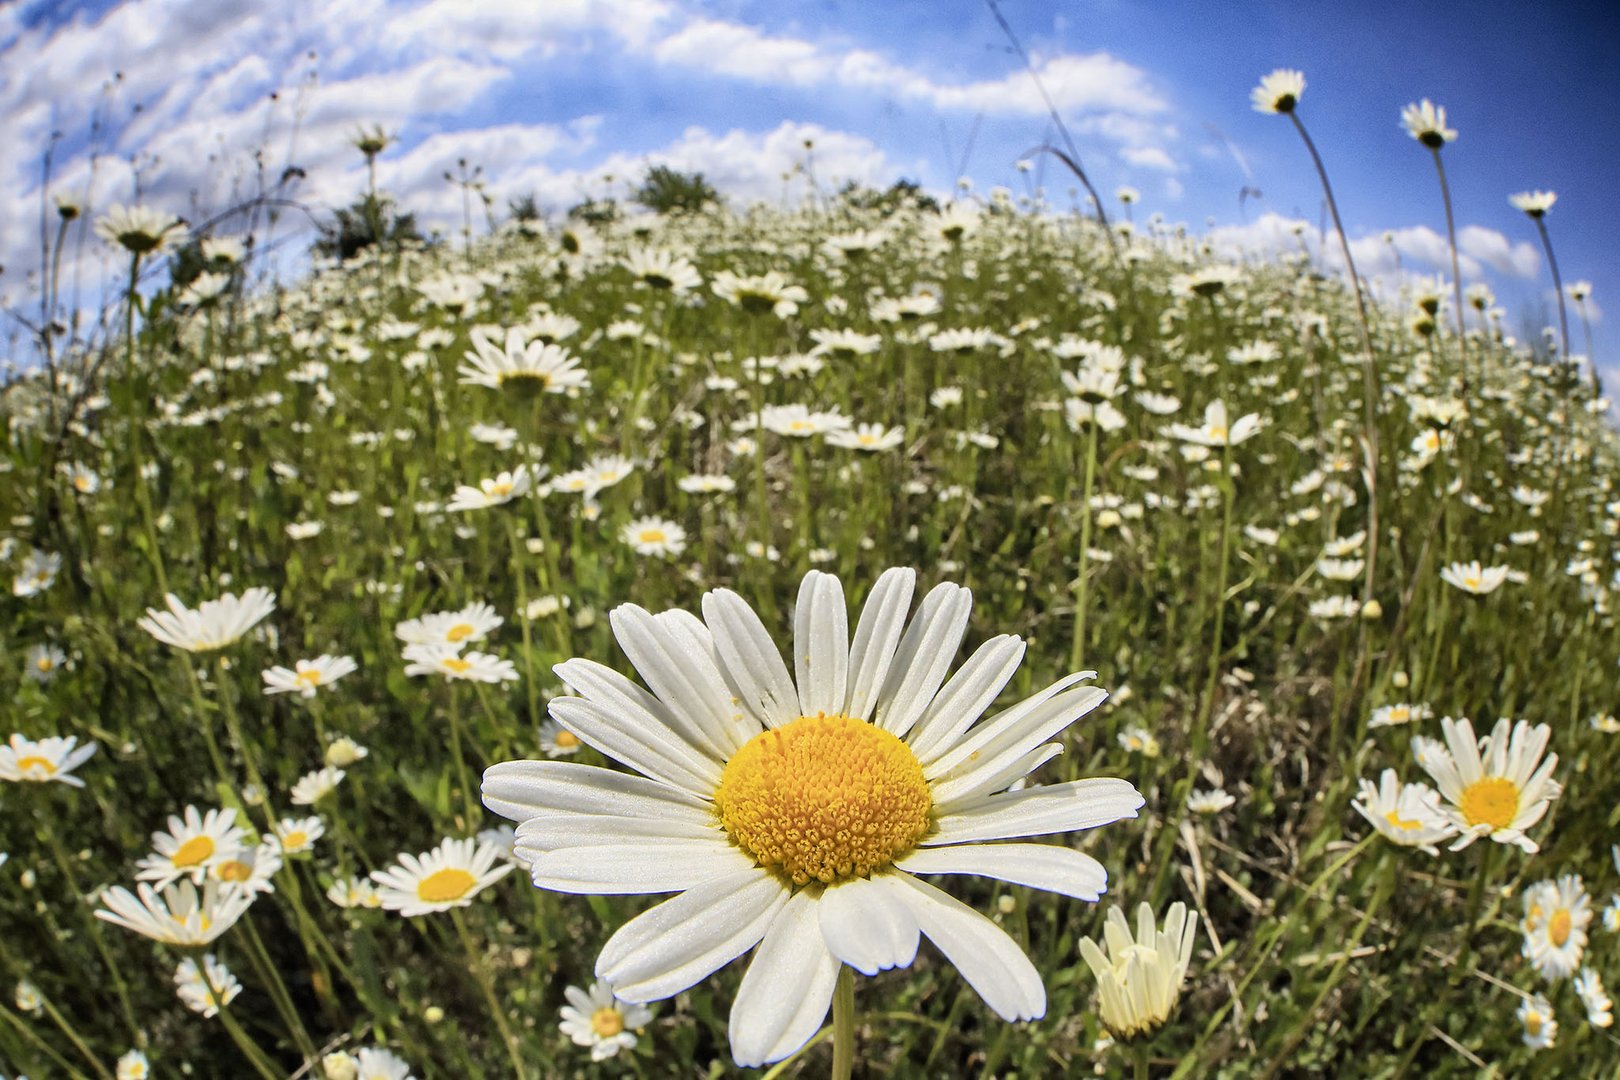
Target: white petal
point(749, 659)
point(670, 947)
point(1040, 866)
point(971, 690)
point(924, 658)
point(681, 668)
point(877, 635)
point(1014, 730)
point(821, 645)
point(649, 749)
point(867, 925)
point(631, 867)
point(1078, 804)
point(788, 986)
point(524, 789)
point(559, 830)
point(970, 786)
point(988, 959)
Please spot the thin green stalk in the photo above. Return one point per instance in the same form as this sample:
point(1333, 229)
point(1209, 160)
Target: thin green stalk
point(1077, 648)
point(259, 956)
point(120, 987)
point(1456, 272)
point(1558, 283)
point(40, 1044)
point(480, 971)
point(521, 575)
point(460, 758)
point(72, 1035)
point(843, 1008)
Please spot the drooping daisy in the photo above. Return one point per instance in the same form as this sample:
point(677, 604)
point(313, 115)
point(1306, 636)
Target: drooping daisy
point(205, 989)
point(307, 676)
point(1406, 814)
point(298, 835)
point(180, 915)
point(1498, 786)
point(654, 536)
point(1278, 92)
point(792, 811)
point(528, 367)
point(1139, 978)
point(595, 1018)
point(1556, 914)
point(43, 761)
point(1540, 1029)
point(1473, 578)
point(1599, 1009)
point(315, 786)
point(447, 877)
point(472, 623)
point(505, 487)
point(448, 660)
point(214, 625)
point(192, 843)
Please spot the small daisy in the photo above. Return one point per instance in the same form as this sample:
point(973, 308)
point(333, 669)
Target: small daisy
point(654, 536)
point(1534, 203)
point(307, 676)
point(447, 660)
point(26, 998)
point(595, 1018)
point(48, 759)
point(1398, 715)
point(1406, 814)
point(1139, 978)
point(1540, 1029)
point(1474, 578)
point(1556, 914)
point(192, 844)
point(447, 877)
point(557, 741)
point(1498, 786)
point(1278, 92)
point(375, 1063)
point(180, 916)
point(472, 623)
point(1599, 1009)
point(298, 835)
point(315, 786)
point(206, 989)
point(505, 487)
point(869, 437)
point(1215, 430)
point(250, 870)
point(1209, 802)
point(1139, 740)
point(1426, 122)
point(343, 752)
point(133, 1066)
point(214, 625)
point(41, 662)
point(354, 892)
point(37, 573)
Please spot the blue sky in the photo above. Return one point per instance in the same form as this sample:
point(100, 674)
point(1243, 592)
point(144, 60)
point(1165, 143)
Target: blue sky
point(550, 95)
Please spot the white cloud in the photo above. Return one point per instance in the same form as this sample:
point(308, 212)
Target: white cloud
point(1148, 157)
point(1496, 251)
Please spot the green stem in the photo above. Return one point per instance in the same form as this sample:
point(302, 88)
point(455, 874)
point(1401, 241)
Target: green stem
point(1077, 649)
point(460, 759)
point(843, 1006)
point(481, 972)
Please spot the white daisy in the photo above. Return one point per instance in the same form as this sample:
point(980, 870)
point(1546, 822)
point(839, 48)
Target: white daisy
point(595, 1018)
point(250, 870)
point(1216, 431)
point(1556, 915)
point(297, 835)
point(180, 915)
point(792, 813)
point(1209, 802)
point(1497, 786)
point(1398, 714)
point(654, 536)
point(869, 437)
point(315, 786)
point(207, 989)
point(214, 625)
point(307, 676)
point(1599, 1009)
point(36, 574)
point(1473, 578)
point(505, 487)
point(523, 365)
point(1406, 814)
point(557, 741)
point(1278, 92)
point(192, 844)
point(376, 1063)
point(1139, 978)
point(447, 660)
point(447, 877)
point(354, 892)
point(1540, 1029)
point(472, 623)
point(45, 760)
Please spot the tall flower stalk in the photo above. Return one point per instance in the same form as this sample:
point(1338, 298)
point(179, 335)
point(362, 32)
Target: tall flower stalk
point(1426, 122)
point(1535, 205)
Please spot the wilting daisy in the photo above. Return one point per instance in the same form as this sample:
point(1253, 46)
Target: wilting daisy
point(1139, 978)
point(1599, 1009)
point(1406, 814)
point(447, 660)
point(214, 625)
point(792, 811)
point(472, 623)
point(523, 365)
point(595, 1018)
point(505, 487)
point(193, 843)
point(315, 786)
point(447, 877)
point(1278, 92)
point(654, 536)
point(1473, 578)
point(1540, 1029)
point(48, 759)
point(207, 989)
point(180, 915)
point(1215, 430)
point(307, 676)
point(1494, 786)
point(1556, 914)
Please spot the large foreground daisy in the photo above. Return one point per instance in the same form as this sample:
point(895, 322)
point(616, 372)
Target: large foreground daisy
point(793, 811)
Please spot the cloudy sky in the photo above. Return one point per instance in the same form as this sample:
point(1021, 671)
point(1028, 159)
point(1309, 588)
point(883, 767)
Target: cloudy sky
point(184, 101)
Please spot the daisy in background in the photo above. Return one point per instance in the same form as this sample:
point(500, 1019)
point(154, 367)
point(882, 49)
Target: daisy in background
point(1540, 1029)
point(1406, 814)
point(181, 915)
point(1139, 978)
point(1534, 203)
point(595, 1018)
point(54, 758)
point(1399, 714)
point(1278, 92)
point(214, 625)
point(1215, 430)
point(654, 536)
point(791, 809)
point(192, 844)
point(312, 787)
point(1139, 740)
point(760, 294)
point(870, 437)
point(41, 662)
point(308, 676)
point(1498, 786)
point(527, 367)
point(205, 989)
point(298, 835)
point(36, 574)
point(376, 1063)
point(448, 660)
point(1209, 803)
point(343, 752)
point(557, 741)
point(475, 622)
point(1426, 122)
point(140, 230)
point(497, 492)
point(1473, 578)
point(662, 270)
point(1556, 914)
point(133, 1066)
point(1599, 1009)
point(250, 870)
point(447, 877)
point(354, 892)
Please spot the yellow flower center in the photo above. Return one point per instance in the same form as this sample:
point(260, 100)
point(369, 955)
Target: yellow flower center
point(441, 886)
point(1492, 800)
point(1472, 581)
point(310, 677)
point(1532, 1024)
point(193, 852)
point(459, 632)
point(457, 664)
point(294, 840)
point(1400, 714)
point(1217, 432)
point(825, 798)
point(499, 489)
point(866, 439)
point(651, 536)
point(566, 738)
point(607, 1022)
point(1559, 927)
point(45, 663)
point(1404, 824)
point(33, 763)
point(235, 870)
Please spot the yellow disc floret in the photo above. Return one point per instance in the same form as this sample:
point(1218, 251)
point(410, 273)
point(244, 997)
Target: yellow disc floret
point(825, 798)
point(443, 886)
point(1490, 800)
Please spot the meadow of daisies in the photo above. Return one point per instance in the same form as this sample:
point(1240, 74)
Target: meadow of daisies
point(962, 641)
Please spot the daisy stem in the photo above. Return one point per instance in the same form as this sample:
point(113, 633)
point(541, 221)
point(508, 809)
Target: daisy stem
point(1077, 649)
point(207, 727)
point(523, 624)
point(73, 1037)
point(481, 972)
point(244, 1042)
point(1139, 1056)
point(843, 1006)
point(1558, 286)
point(39, 1043)
point(1456, 273)
point(1201, 731)
point(461, 761)
point(1471, 920)
point(259, 956)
